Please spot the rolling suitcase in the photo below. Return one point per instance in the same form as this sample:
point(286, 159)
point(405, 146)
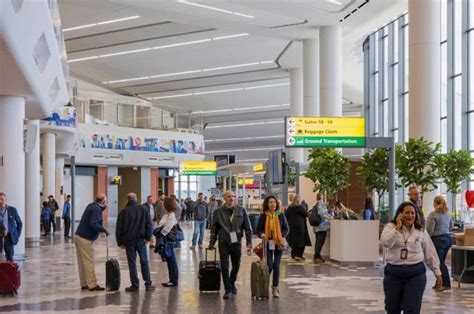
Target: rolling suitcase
point(260, 277)
point(10, 278)
point(112, 271)
point(210, 274)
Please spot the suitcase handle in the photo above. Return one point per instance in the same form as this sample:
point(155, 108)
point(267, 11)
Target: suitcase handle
point(215, 254)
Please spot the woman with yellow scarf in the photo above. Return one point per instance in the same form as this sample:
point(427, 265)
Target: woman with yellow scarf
point(273, 228)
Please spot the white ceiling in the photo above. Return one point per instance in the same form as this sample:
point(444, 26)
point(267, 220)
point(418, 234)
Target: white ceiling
point(202, 49)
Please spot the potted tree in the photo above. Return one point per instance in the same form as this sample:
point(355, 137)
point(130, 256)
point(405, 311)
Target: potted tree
point(329, 170)
point(373, 172)
point(454, 168)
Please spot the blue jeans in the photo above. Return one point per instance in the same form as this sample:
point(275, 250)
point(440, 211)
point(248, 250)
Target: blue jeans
point(442, 244)
point(173, 272)
point(199, 228)
point(403, 287)
point(273, 261)
point(132, 249)
point(7, 245)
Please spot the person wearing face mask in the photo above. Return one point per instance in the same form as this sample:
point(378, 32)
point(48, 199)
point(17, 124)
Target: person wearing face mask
point(89, 229)
point(408, 248)
point(273, 227)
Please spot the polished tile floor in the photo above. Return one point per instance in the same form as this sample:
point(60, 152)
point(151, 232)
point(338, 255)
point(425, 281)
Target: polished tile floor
point(50, 285)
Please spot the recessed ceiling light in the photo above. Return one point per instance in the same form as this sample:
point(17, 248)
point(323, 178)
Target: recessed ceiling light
point(188, 72)
point(101, 23)
point(220, 91)
point(335, 2)
point(239, 109)
point(159, 47)
point(216, 9)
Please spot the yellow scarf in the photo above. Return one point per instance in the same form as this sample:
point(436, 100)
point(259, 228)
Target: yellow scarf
point(273, 229)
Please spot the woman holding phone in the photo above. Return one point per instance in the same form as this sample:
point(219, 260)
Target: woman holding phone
point(408, 247)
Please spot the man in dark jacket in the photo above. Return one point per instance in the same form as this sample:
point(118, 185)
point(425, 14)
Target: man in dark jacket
point(134, 230)
point(159, 208)
point(201, 210)
point(229, 222)
point(53, 205)
point(10, 227)
point(89, 229)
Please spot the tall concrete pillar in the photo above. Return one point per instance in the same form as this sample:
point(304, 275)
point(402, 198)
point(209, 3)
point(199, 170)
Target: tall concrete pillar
point(330, 39)
point(425, 77)
point(59, 182)
point(12, 158)
point(311, 77)
point(296, 106)
point(33, 184)
point(48, 153)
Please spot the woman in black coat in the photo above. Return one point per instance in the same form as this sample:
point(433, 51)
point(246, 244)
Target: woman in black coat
point(298, 237)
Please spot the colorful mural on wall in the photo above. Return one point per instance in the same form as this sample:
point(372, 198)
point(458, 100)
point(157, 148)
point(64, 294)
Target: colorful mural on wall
point(148, 144)
point(62, 116)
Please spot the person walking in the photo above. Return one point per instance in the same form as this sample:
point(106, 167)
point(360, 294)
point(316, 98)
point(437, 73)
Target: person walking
point(89, 229)
point(182, 205)
point(10, 227)
point(272, 227)
point(298, 237)
point(320, 231)
point(46, 218)
point(167, 223)
point(66, 215)
point(159, 209)
point(438, 224)
point(150, 207)
point(213, 205)
point(134, 230)
point(189, 209)
point(415, 197)
point(201, 210)
point(408, 248)
point(53, 205)
point(230, 222)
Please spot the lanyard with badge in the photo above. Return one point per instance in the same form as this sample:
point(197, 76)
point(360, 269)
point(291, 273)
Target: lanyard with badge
point(233, 234)
point(404, 251)
point(271, 243)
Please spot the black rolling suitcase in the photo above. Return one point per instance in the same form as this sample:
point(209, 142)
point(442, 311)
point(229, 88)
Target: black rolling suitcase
point(112, 271)
point(210, 274)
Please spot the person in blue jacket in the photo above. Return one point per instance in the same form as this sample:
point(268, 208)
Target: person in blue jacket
point(66, 215)
point(10, 227)
point(90, 227)
point(46, 218)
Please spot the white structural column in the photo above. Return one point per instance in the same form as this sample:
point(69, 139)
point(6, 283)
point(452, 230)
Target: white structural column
point(330, 40)
point(33, 201)
point(425, 77)
point(311, 76)
point(12, 158)
point(48, 152)
point(296, 105)
point(59, 182)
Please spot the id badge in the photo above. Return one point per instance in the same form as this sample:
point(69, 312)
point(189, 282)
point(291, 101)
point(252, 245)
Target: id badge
point(271, 245)
point(233, 237)
point(404, 253)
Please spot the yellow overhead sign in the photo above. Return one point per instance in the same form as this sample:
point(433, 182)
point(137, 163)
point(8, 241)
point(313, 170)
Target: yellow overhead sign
point(259, 167)
point(247, 181)
point(198, 168)
point(325, 131)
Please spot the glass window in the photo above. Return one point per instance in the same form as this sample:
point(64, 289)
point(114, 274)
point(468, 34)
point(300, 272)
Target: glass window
point(395, 135)
point(406, 58)
point(444, 21)
point(395, 41)
point(471, 14)
point(471, 131)
point(457, 36)
point(457, 112)
point(376, 107)
point(444, 135)
point(444, 79)
point(396, 93)
point(471, 66)
point(385, 67)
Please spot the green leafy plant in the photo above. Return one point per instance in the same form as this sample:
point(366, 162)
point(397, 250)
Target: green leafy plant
point(329, 170)
point(374, 171)
point(417, 163)
point(454, 168)
point(292, 173)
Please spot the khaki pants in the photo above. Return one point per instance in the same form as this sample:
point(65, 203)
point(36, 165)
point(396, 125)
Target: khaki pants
point(85, 262)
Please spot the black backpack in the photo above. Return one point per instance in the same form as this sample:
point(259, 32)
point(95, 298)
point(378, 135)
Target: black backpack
point(314, 218)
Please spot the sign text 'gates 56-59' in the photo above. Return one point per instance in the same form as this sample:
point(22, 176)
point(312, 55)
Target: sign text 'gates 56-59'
point(324, 131)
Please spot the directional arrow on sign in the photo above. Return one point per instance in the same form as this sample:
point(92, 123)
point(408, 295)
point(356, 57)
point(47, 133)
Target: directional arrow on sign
point(291, 131)
point(291, 121)
point(291, 141)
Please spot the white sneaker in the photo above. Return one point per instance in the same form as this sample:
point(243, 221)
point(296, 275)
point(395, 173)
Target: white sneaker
point(275, 292)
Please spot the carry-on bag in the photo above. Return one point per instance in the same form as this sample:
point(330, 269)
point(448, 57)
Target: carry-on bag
point(210, 274)
point(112, 271)
point(260, 277)
point(10, 278)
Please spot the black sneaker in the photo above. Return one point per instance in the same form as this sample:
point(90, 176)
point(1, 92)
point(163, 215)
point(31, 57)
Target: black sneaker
point(85, 288)
point(131, 289)
point(233, 289)
point(97, 288)
point(150, 288)
point(227, 295)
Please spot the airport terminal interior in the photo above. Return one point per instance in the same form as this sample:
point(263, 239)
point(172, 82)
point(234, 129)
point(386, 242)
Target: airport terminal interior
point(329, 143)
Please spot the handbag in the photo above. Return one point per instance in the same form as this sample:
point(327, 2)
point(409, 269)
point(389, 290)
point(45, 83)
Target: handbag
point(176, 234)
point(258, 250)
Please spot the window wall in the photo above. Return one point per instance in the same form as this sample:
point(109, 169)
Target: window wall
point(386, 79)
point(186, 186)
